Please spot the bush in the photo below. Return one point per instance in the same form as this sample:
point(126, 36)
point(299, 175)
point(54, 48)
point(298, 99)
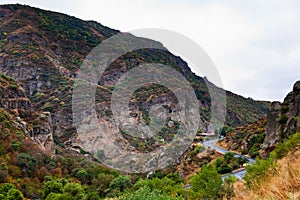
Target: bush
point(258, 172)
point(228, 157)
point(166, 185)
point(224, 168)
point(254, 151)
point(283, 119)
point(206, 184)
point(283, 148)
point(146, 193)
point(5, 187)
point(13, 87)
point(101, 184)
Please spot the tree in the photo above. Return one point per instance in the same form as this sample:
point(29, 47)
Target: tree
point(5, 187)
point(166, 185)
point(82, 175)
point(27, 162)
point(92, 196)
point(2, 197)
point(52, 187)
point(14, 194)
point(102, 183)
point(8, 191)
point(207, 183)
point(54, 196)
point(228, 157)
point(120, 183)
point(74, 189)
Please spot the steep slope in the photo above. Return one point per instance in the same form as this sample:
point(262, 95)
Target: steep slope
point(43, 50)
point(283, 120)
point(246, 139)
point(36, 125)
point(285, 184)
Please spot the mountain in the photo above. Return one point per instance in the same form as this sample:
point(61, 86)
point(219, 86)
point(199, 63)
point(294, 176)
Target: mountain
point(43, 51)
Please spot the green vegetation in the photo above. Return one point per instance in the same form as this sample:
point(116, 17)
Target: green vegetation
point(257, 173)
point(146, 193)
point(229, 163)
point(283, 119)
point(224, 130)
point(207, 184)
point(8, 191)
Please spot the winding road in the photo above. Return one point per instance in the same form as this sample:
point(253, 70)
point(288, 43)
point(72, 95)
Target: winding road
point(239, 174)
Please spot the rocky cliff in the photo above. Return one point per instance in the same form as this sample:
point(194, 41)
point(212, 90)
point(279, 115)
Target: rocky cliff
point(261, 137)
point(36, 125)
point(283, 118)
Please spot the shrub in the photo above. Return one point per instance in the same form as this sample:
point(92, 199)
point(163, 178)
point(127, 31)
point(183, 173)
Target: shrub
point(254, 151)
point(15, 145)
point(228, 157)
point(101, 184)
point(13, 87)
point(257, 172)
point(146, 193)
point(207, 183)
point(283, 119)
point(283, 148)
point(168, 185)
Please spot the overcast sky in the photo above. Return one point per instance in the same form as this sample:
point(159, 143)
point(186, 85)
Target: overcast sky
point(254, 44)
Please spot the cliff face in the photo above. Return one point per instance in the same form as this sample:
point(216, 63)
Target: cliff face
point(283, 119)
point(36, 125)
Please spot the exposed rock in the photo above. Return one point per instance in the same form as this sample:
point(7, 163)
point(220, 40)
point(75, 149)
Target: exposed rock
point(283, 119)
point(13, 98)
point(273, 126)
point(42, 132)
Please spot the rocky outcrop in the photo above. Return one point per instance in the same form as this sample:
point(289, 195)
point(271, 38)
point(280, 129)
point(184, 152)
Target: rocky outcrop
point(42, 132)
point(37, 125)
point(273, 126)
point(283, 119)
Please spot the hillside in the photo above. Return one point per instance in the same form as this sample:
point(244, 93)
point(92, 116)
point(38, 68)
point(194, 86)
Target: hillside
point(261, 137)
point(43, 50)
point(283, 184)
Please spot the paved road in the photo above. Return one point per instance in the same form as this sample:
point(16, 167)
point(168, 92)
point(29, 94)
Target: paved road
point(240, 174)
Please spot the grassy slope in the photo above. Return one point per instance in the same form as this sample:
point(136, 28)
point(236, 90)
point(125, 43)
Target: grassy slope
point(284, 185)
